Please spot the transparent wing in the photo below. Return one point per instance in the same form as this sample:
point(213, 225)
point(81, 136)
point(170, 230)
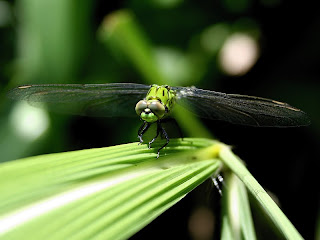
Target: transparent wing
point(240, 109)
point(107, 100)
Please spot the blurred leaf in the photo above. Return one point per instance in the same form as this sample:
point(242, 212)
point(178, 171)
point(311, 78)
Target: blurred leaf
point(270, 207)
point(236, 213)
point(52, 39)
point(122, 33)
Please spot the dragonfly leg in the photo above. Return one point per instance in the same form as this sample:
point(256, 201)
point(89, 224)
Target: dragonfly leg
point(143, 128)
point(217, 180)
point(159, 126)
point(158, 131)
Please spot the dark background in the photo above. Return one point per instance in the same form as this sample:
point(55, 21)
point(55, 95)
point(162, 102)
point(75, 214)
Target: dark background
point(34, 49)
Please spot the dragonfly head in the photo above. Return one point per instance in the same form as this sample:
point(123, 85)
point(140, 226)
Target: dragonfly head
point(150, 110)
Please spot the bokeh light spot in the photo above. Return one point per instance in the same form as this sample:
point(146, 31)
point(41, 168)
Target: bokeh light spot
point(238, 54)
point(174, 65)
point(201, 224)
point(29, 122)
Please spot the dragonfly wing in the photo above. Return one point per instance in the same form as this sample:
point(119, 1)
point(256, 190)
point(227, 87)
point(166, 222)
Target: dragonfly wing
point(106, 100)
point(240, 109)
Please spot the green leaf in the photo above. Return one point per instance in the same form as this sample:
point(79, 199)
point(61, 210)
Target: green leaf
point(113, 192)
point(276, 215)
point(106, 193)
point(237, 220)
point(57, 35)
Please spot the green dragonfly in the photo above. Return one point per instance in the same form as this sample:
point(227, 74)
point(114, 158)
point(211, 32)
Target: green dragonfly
point(154, 104)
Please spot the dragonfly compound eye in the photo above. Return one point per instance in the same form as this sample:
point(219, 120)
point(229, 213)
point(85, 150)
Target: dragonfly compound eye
point(157, 108)
point(141, 106)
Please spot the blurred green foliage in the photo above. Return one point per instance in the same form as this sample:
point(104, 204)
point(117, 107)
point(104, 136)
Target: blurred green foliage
point(166, 41)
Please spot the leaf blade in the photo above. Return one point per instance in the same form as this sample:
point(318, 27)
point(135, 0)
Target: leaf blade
point(116, 203)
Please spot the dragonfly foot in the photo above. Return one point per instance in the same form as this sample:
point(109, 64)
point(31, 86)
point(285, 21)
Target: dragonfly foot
point(151, 142)
point(140, 140)
point(217, 180)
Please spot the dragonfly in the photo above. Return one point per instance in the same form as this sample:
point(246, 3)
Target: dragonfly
point(154, 104)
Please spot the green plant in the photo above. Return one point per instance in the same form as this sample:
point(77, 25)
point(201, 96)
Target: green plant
point(113, 192)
